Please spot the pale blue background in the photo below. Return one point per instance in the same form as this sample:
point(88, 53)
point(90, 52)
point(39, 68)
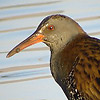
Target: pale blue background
point(19, 19)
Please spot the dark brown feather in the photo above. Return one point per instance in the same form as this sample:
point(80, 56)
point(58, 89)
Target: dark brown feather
point(79, 80)
point(88, 81)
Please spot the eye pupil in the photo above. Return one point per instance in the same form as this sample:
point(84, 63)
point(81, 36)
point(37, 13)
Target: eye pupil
point(51, 27)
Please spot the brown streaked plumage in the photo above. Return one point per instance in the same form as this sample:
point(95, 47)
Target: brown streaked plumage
point(75, 56)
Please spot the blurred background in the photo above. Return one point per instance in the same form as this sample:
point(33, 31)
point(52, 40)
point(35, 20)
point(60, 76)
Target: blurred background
point(26, 76)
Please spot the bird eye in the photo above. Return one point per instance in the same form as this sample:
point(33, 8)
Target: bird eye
point(51, 27)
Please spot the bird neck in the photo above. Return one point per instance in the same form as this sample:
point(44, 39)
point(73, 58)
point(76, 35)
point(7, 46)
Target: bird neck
point(69, 51)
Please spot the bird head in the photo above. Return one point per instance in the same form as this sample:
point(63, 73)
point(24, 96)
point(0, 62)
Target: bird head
point(54, 30)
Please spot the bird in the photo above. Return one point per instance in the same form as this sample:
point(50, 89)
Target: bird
point(75, 56)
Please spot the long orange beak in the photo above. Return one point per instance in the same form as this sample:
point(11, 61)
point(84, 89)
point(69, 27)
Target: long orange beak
point(34, 38)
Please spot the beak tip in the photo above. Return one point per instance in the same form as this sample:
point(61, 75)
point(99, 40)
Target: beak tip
point(7, 56)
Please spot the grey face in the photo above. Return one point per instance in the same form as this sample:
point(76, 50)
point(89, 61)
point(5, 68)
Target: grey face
point(58, 29)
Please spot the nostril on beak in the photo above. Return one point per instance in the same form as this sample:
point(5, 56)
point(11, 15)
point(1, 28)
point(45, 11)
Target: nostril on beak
point(17, 50)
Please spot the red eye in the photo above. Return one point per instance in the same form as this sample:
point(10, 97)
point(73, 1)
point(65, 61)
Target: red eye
point(51, 27)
